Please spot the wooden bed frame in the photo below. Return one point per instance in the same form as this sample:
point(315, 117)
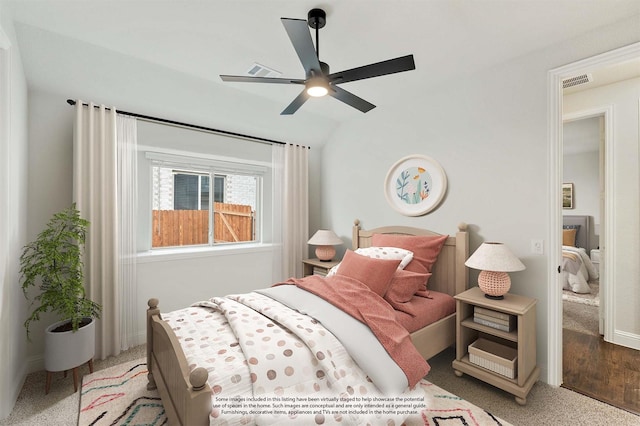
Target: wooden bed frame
point(186, 396)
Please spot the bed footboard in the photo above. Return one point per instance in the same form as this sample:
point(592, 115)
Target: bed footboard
point(186, 396)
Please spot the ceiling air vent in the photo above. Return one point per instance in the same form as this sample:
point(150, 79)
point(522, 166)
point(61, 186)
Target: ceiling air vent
point(577, 80)
point(258, 70)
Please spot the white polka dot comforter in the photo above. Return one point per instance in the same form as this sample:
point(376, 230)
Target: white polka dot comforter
point(269, 364)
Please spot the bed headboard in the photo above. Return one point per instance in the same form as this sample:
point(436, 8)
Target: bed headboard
point(584, 232)
point(450, 275)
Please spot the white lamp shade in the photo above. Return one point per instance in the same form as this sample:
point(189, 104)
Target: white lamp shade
point(325, 240)
point(494, 257)
point(324, 237)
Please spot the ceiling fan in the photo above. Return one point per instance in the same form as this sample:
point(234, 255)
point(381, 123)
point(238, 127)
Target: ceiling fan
point(318, 81)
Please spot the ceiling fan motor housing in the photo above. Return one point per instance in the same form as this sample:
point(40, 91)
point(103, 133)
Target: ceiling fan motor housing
point(317, 18)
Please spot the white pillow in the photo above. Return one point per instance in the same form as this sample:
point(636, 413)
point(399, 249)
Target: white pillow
point(392, 253)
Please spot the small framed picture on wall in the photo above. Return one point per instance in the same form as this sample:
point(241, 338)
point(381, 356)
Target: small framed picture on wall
point(567, 195)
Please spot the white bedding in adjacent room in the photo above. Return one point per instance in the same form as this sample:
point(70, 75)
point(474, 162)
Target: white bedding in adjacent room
point(577, 269)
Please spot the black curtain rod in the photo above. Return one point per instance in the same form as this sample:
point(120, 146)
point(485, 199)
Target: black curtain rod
point(192, 126)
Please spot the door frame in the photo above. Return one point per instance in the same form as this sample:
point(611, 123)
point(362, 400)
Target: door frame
point(555, 149)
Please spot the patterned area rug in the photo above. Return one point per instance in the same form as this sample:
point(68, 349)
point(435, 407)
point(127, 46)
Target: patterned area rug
point(445, 408)
point(119, 396)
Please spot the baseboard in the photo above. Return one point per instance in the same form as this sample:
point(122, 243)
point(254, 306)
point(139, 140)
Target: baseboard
point(139, 338)
point(35, 363)
point(624, 338)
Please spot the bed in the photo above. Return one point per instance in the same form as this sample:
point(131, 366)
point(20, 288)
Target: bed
point(577, 268)
point(186, 395)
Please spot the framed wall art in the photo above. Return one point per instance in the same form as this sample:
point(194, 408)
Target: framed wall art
point(567, 195)
point(415, 185)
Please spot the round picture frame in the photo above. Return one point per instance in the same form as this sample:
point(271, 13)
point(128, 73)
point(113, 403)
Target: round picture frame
point(415, 185)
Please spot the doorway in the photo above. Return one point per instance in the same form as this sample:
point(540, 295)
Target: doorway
point(583, 174)
point(556, 77)
point(580, 357)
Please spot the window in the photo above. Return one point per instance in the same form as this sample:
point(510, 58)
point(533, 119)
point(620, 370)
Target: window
point(183, 215)
point(190, 191)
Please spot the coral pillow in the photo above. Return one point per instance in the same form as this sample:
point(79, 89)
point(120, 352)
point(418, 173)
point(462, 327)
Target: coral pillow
point(425, 248)
point(405, 256)
point(404, 284)
point(374, 273)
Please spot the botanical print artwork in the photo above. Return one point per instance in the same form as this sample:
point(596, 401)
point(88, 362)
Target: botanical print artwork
point(413, 185)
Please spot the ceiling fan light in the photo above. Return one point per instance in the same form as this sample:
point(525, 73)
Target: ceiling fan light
point(317, 91)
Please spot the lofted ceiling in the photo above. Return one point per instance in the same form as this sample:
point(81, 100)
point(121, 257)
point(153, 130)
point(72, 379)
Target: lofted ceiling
point(164, 57)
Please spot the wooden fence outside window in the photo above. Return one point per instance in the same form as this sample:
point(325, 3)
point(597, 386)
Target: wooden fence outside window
point(231, 223)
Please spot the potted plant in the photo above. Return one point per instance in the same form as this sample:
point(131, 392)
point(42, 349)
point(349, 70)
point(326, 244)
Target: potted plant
point(53, 263)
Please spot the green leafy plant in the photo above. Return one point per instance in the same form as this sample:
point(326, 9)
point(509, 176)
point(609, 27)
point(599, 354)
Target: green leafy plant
point(54, 262)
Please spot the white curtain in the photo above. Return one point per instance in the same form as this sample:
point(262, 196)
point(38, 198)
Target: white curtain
point(291, 209)
point(101, 171)
point(94, 190)
point(127, 230)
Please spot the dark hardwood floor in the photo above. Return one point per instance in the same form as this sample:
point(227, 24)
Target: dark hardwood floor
point(601, 370)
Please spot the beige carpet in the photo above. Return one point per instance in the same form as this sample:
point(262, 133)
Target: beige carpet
point(581, 318)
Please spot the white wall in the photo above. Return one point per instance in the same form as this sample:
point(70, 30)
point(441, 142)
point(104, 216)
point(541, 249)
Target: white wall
point(489, 133)
point(13, 208)
point(581, 169)
point(581, 166)
point(180, 281)
point(625, 98)
point(50, 182)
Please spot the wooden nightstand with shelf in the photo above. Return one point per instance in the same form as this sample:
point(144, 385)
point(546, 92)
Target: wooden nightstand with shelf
point(522, 338)
point(317, 266)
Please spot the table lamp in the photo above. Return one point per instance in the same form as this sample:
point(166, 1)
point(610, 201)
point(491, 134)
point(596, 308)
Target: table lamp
point(325, 240)
point(494, 260)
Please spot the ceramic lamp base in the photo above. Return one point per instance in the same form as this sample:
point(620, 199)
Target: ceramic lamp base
point(325, 253)
point(494, 284)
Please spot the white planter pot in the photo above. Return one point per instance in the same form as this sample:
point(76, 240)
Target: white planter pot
point(67, 350)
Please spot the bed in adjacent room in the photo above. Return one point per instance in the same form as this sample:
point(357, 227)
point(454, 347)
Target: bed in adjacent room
point(360, 333)
point(577, 269)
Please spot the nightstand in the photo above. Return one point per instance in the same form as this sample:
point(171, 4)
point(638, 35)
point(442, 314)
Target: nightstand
point(503, 336)
point(316, 266)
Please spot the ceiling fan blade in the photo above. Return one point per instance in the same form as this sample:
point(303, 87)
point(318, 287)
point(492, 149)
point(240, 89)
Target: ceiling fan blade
point(298, 31)
point(351, 99)
point(247, 79)
point(391, 66)
point(296, 104)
